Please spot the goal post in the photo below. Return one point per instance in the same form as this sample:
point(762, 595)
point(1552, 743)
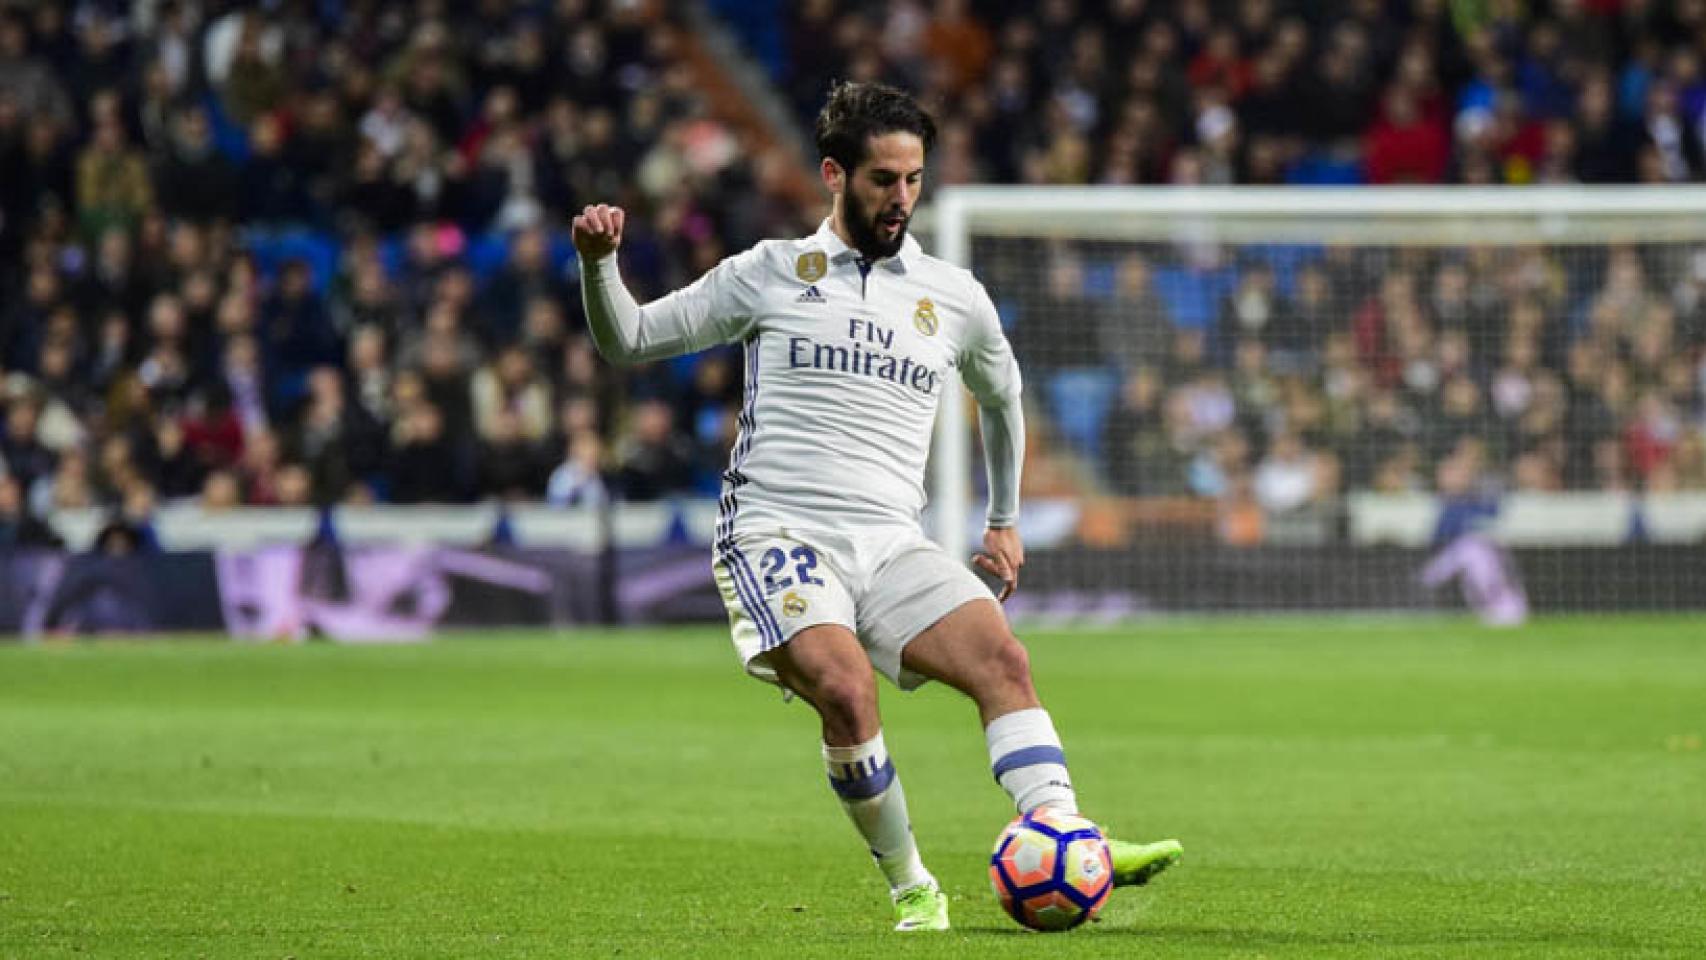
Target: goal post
point(1348, 380)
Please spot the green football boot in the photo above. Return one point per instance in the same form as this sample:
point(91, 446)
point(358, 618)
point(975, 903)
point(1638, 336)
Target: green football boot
point(921, 907)
point(1136, 864)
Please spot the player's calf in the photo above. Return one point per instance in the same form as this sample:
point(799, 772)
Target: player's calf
point(864, 778)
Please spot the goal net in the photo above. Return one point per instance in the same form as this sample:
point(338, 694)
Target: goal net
point(1407, 400)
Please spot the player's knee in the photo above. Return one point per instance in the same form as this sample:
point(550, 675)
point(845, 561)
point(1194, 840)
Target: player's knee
point(1011, 667)
point(848, 702)
point(849, 692)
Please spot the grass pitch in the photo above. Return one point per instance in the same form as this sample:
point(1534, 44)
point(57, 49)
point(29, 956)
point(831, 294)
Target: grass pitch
point(1342, 789)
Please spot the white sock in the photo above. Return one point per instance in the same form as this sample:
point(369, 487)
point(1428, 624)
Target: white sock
point(1025, 755)
point(864, 778)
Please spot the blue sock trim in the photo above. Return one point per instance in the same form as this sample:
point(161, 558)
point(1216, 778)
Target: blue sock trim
point(859, 782)
point(1029, 757)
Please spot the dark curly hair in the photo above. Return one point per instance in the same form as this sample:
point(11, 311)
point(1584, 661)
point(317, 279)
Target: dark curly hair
point(856, 112)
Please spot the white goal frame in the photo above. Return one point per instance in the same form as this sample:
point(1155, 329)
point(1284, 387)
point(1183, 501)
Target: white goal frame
point(1407, 215)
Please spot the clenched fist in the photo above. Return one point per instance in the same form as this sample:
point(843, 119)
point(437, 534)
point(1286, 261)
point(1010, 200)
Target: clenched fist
point(598, 231)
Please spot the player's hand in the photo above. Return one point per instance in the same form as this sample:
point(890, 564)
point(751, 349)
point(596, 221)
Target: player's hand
point(598, 231)
point(1001, 558)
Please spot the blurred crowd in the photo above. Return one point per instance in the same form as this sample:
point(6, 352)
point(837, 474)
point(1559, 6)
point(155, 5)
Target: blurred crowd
point(1294, 374)
point(313, 252)
point(1273, 384)
point(299, 253)
point(1278, 91)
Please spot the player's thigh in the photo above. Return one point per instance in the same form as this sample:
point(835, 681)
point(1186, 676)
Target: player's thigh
point(774, 587)
point(910, 596)
point(973, 650)
point(826, 665)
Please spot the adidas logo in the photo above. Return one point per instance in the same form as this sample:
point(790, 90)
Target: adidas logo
point(810, 296)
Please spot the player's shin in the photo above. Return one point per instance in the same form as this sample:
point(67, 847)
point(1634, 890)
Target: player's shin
point(1025, 755)
point(863, 777)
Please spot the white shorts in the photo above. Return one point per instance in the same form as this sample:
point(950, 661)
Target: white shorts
point(887, 586)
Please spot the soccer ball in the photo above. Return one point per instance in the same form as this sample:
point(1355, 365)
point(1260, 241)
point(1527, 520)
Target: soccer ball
point(1051, 870)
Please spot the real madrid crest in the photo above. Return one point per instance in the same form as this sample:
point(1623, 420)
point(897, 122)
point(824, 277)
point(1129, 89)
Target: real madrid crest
point(924, 318)
point(793, 605)
point(811, 266)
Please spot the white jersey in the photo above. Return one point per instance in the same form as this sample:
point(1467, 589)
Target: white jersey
point(846, 363)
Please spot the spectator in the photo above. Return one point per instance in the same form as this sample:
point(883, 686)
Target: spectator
point(49, 173)
point(212, 429)
point(444, 360)
point(425, 466)
point(254, 82)
point(1062, 329)
point(1294, 346)
point(31, 82)
point(1404, 146)
point(1292, 476)
point(21, 450)
point(1651, 436)
point(369, 373)
point(1137, 331)
point(510, 464)
point(220, 492)
point(244, 383)
point(545, 336)
point(1141, 458)
point(525, 279)
point(961, 41)
point(1218, 464)
point(296, 334)
point(1255, 391)
point(1256, 310)
point(1606, 142)
point(367, 299)
point(113, 189)
point(655, 462)
point(335, 439)
point(262, 459)
point(174, 464)
point(65, 395)
point(113, 282)
point(19, 527)
point(377, 194)
point(271, 188)
point(193, 181)
point(1461, 414)
point(714, 394)
point(295, 486)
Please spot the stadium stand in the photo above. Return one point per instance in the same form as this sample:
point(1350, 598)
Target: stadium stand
point(313, 253)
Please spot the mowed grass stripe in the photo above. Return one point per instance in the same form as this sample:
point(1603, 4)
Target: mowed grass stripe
point(1343, 788)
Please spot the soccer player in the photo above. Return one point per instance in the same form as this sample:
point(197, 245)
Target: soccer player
point(850, 335)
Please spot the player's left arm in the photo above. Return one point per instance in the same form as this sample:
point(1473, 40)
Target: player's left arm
point(992, 374)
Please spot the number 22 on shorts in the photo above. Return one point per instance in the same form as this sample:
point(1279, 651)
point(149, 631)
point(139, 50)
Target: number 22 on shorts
point(805, 561)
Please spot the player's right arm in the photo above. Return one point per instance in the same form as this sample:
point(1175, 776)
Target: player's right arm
point(714, 309)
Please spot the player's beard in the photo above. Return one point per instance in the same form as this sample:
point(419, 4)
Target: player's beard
point(862, 227)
